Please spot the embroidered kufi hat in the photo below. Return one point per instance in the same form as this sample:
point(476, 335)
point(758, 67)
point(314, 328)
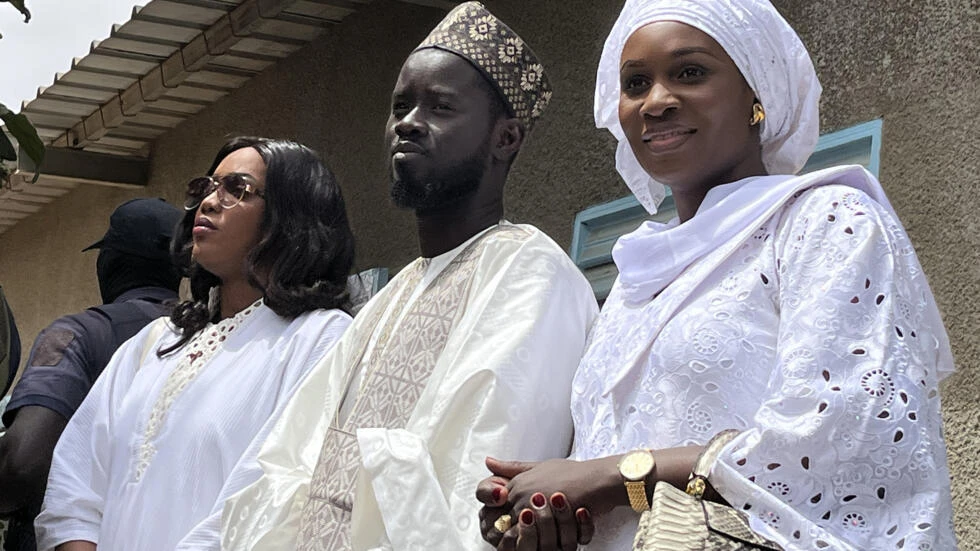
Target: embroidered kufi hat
point(473, 33)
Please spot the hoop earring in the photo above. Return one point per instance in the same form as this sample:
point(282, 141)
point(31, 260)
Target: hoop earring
point(758, 114)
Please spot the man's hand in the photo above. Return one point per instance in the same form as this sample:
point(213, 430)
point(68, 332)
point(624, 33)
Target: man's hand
point(25, 456)
point(493, 493)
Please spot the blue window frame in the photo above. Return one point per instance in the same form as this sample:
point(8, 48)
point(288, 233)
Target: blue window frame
point(364, 285)
point(596, 230)
point(857, 145)
point(598, 227)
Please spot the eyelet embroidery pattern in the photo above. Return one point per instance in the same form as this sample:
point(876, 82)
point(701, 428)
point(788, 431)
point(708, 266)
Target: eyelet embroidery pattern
point(878, 384)
point(699, 419)
point(195, 355)
point(818, 332)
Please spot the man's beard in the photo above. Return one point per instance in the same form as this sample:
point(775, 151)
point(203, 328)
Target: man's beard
point(438, 191)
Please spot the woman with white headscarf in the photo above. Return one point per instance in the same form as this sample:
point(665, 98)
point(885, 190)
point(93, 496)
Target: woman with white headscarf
point(791, 308)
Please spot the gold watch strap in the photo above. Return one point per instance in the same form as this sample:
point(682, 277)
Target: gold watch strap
point(637, 492)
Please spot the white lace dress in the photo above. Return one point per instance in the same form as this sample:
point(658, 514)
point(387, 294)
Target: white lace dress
point(816, 334)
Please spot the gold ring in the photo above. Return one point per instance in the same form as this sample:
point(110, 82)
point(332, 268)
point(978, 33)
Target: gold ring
point(503, 523)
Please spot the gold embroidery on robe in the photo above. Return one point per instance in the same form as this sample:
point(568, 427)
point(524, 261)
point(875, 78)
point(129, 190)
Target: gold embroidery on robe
point(398, 370)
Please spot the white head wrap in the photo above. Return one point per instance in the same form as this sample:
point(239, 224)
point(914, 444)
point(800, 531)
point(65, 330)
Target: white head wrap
point(767, 51)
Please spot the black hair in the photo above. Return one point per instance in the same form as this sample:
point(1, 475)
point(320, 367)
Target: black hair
point(306, 250)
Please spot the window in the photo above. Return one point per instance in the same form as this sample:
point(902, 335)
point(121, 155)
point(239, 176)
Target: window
point(598, 227)
point(364, 285)
point(857, 145)
point(596, 231)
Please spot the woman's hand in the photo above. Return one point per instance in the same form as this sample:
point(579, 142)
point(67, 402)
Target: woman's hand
point(595, 484)
point(550, 527)
point(562, 495)
point(547, 528)
point(558, 521)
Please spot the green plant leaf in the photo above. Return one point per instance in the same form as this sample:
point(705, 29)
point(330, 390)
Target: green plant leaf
point(23, 131)
point(7, 151)
point(21, 7)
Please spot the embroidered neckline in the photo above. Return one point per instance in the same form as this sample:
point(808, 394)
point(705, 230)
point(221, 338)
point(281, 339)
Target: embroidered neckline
point(193, 357)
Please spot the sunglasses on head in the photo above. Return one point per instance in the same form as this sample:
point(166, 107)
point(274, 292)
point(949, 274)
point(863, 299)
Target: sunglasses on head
point(231, 189)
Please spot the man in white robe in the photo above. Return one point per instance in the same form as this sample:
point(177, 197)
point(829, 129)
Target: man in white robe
point(384, 442)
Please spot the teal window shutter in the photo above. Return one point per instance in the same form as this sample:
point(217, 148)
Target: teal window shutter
point(857, 145)
point(598, 227)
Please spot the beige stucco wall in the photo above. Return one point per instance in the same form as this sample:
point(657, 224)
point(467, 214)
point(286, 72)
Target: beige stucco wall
point(914, 65)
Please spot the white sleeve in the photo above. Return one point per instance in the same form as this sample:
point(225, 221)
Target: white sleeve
point(207, 534)
point(509, 360)
point(265, 514)
point(81, 466)
point(846, 451)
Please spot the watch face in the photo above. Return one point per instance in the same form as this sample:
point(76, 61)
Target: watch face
point(636, 465)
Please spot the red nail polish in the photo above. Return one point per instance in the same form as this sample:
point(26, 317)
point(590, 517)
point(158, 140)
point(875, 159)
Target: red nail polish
point(583, 515)
point(527, 517)
point(496, 495)
point(538, 500)
point(558, 501)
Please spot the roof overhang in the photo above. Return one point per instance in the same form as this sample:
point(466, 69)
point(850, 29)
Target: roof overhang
point(172, 59)
point(64, 170)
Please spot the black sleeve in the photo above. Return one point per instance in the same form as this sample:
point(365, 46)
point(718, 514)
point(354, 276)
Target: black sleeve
point(59, 372)
point(13, 348)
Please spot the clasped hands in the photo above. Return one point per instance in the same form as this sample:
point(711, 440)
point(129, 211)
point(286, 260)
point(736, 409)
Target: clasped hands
point(549, 505)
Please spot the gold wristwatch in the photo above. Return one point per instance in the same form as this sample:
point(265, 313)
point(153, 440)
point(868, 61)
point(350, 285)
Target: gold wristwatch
point(634, 468)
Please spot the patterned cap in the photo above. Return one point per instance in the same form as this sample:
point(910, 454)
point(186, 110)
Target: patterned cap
point(473, 33)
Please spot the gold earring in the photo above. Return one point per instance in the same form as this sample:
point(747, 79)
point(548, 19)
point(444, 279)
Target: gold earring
point(758, 114)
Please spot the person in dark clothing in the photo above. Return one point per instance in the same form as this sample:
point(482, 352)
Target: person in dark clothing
point(9, 360)
point(138, 284)
point(9, 346)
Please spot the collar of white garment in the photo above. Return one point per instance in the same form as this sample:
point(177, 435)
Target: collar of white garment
point(654, 255)
point(435, 265)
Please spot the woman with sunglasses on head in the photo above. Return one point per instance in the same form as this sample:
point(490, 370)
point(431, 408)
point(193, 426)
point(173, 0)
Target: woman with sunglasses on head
point(172, 427)
point(789, 308)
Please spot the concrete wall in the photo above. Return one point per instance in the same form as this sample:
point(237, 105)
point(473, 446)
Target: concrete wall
point(42, 269)
point(914, 65)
